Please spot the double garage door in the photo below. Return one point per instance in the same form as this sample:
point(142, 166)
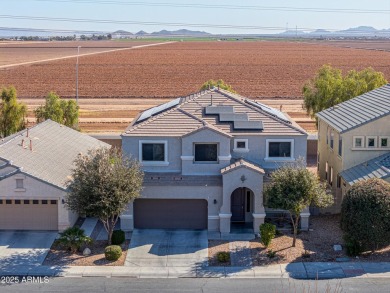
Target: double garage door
point(170, 214)
point(28, 214)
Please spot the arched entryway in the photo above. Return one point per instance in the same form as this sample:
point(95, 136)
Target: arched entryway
point(242, 210)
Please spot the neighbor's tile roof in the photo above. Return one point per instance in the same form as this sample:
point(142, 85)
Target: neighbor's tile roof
point(358, 111)
point(54, 149)
point(378, 167)
point(189, 116)
point(242, 163)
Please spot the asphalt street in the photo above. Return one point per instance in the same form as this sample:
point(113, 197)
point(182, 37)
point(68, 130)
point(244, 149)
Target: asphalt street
point(118, 285)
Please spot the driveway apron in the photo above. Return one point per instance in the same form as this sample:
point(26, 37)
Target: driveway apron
point(167, 248)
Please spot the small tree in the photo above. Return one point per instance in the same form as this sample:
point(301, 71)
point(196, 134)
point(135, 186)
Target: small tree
point(365, 216)
point(293, 188)
point(12, 113)
point(212, 83)
point(329, 87)
point(60, 111)
point(104, 182)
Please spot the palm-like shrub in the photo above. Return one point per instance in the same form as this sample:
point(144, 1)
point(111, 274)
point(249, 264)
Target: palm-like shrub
point(73, 238)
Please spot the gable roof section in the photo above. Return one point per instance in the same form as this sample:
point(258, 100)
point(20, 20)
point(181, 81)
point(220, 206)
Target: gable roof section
point(242, 164)
point(358, 111)
point(189, 115)
point(54, 149)
point(376, 168)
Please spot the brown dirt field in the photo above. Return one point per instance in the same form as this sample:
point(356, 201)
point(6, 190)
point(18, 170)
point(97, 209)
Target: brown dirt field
point(18, 52)
point(380, 45)
point(255, 69)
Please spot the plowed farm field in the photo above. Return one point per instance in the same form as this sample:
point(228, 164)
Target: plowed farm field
point(115, 83)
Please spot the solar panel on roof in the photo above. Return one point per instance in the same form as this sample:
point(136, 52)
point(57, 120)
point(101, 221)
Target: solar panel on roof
point(158, 109)
point(269, 110)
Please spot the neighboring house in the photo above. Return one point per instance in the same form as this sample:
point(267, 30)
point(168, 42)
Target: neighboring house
point(354, 142)
point(35, 165)
point(206, 157)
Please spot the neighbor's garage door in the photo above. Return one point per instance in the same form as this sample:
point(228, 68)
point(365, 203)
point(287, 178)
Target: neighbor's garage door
point(28, 214)
point(170, 214)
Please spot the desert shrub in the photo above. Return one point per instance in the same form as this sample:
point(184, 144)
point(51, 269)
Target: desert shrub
point(73, 238)
point(223, 256)
point(271, 253)
point(118, 237)
point(267, 233)
point(365, 216)
point(113, 252)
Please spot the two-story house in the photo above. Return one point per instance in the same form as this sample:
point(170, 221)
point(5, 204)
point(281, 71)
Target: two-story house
point(354, 142)
point(206, 157)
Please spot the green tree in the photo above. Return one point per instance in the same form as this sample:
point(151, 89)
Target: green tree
point(212, 83)
point(60, 111)
point(293, 188)
point(104, 182)
point(12, 112)
point(329, 87)
point(365, 216)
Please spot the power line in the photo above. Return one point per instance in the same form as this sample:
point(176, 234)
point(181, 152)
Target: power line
point(176, 24)
point(221, 6)
point(172, 24)
point(39, 30)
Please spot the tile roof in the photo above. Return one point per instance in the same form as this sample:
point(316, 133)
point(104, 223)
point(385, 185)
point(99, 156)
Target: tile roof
point(189, 115)
point(358, 111)
point(54, 149)
point(378, 167)
point(242, 163)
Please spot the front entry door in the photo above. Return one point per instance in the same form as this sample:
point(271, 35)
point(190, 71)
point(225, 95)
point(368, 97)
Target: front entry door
point(237, 205)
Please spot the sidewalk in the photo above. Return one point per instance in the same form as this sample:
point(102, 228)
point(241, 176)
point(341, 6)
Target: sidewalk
point(299, 270)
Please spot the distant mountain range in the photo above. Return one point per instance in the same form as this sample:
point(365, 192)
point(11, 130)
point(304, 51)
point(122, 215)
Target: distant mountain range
point(360, 31)
point(181, 32)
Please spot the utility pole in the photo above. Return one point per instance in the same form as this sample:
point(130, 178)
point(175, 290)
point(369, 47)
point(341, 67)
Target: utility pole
point(77, 75)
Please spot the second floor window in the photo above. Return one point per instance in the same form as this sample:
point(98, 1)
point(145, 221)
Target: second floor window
point(358, 141)
point(331, 139)
point(279, 149)
point(206, 152)
point(153, 152)
point(340, 147)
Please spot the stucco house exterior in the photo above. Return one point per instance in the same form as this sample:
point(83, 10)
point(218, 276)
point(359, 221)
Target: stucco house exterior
point(206, 158)
point(354, 142)
point(35, 165)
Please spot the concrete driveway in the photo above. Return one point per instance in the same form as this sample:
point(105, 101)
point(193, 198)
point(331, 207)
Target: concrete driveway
point(168, 248)
point(24, 248)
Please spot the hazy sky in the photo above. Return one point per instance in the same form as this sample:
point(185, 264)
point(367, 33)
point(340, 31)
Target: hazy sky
point(166, 11)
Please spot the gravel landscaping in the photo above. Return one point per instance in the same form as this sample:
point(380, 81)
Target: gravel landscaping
point(58, 256)
point(216, 246)
point(315, 245)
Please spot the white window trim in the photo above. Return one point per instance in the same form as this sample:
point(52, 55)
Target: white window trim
point(154, 163)
point(375, 141)
point(380, 141)
point(354, 142)
point(241, 150)
point(268, 158)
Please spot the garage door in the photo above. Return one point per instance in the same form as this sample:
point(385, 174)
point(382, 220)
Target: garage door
point(28, 214)
point(170, 214)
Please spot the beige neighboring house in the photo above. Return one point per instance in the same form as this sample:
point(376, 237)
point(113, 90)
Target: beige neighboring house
point(35, 165)
point(354, 142)
point(206, 157)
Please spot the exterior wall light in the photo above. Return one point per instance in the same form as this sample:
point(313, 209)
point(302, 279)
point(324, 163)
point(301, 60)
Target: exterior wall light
point(243, 178)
